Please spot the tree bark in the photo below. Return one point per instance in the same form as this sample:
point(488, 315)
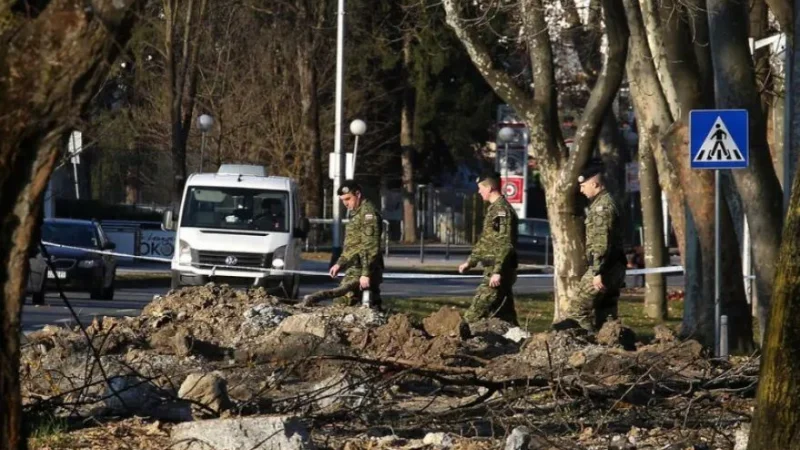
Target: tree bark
point(309, 105)
point(182, 71)
point(655, 293)
point(758, 184)
point(777, 413)
point(653, 113)
point(559, 167)
point(407, 145)
point(699, 318)
point(40, 99)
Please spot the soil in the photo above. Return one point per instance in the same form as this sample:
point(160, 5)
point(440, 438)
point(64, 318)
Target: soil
point(398, 382)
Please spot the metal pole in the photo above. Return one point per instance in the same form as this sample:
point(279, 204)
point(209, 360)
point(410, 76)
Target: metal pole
point(75, 174)
point(447, 235)
point(746, 264)
point(506, 162)
point(664, 210)
point(202, 148)
point(723, 343)
point(546, 250)
point(337, 142)
point(355, 152)
point(717, 256)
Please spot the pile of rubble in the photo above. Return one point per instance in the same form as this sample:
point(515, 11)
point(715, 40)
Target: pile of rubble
point(215, 367)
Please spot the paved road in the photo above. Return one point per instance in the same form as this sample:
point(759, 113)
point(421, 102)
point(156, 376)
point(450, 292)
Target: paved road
point(130, 301)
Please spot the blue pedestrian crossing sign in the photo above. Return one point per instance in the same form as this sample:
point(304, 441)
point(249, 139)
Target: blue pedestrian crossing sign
point(719, 138)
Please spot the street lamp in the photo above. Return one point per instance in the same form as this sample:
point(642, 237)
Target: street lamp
point(358, 127)
point(204, 122)
point(506, 134)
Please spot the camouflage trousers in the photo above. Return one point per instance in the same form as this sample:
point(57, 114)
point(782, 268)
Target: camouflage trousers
point(349, 291)
point(591, 308)
point(494, 302)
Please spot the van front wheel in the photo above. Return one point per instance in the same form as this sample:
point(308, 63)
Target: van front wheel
point(291, 285)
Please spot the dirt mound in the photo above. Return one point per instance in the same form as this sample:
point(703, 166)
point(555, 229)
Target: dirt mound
point(400, 339)
point(353, 370)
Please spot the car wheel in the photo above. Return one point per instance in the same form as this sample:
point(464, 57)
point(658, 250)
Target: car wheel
point(108, 293)
point(37, 298)
point(292, 286)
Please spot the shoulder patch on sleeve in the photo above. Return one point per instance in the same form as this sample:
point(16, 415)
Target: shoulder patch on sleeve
point(369, 216)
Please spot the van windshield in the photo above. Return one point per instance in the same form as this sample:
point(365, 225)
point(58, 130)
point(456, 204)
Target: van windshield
point(236, 209)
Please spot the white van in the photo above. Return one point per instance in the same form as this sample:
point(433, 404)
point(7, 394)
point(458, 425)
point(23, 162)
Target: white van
point(238, 226)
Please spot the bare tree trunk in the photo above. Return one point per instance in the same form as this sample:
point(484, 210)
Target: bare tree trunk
point(701, 205)
point(309, 105)
point(655, 294)
point(653, 112)
point(567, 228)
point(560, 167)
point(407, 145)
point(758, 184)
point(777, 410)
point(182, 73)
point(52, 95)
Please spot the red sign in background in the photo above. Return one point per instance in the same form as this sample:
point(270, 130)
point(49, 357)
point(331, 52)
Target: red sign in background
point(512, 189)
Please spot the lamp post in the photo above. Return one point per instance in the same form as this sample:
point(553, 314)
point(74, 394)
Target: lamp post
point(358, 127)
point(204, 122)
point(506, 134)
point(338, 155)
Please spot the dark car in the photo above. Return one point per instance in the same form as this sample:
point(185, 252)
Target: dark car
point(534, 244)
point(74, 258)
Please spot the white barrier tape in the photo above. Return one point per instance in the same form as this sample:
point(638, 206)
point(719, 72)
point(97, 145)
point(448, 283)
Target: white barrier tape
point(390, 275)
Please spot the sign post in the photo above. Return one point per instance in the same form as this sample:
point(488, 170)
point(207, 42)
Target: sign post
point(512, 164)
point(718, 140)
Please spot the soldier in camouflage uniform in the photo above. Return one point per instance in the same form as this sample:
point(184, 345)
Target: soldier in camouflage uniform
point(599, 289)
point(496, 251)
point(361, 257)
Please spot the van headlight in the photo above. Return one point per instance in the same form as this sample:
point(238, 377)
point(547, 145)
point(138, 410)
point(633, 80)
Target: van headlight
point(184, 253)
point(279, 257)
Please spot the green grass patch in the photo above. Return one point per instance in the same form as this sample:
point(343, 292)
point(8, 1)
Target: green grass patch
point(535, 311)
point(47, 431)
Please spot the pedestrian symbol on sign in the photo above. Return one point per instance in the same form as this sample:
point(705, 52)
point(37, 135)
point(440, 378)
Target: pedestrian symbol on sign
point(719, 145)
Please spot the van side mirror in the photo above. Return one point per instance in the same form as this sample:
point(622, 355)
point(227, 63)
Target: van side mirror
point(168, 221)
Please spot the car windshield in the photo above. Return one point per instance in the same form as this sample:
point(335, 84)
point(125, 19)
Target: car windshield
point(236, 209)
point(534, 228)
point(72, 234)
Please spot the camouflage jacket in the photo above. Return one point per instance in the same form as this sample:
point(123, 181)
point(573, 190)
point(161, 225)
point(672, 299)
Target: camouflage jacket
point(496, 248)
point(362, 241)
point(604, 240)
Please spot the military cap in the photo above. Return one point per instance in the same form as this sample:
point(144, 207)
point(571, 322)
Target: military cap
point(593, 167)
point(489, 175)
point(349, 187)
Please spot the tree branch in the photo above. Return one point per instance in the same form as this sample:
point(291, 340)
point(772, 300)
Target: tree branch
point(604, 91)
point(502, 84)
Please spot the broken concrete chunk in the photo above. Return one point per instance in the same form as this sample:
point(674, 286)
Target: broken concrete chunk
point(438, 439)
point(304, 323)
point(264, 433)
point(446, 322)
point(208, 393)
point(517, 335)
